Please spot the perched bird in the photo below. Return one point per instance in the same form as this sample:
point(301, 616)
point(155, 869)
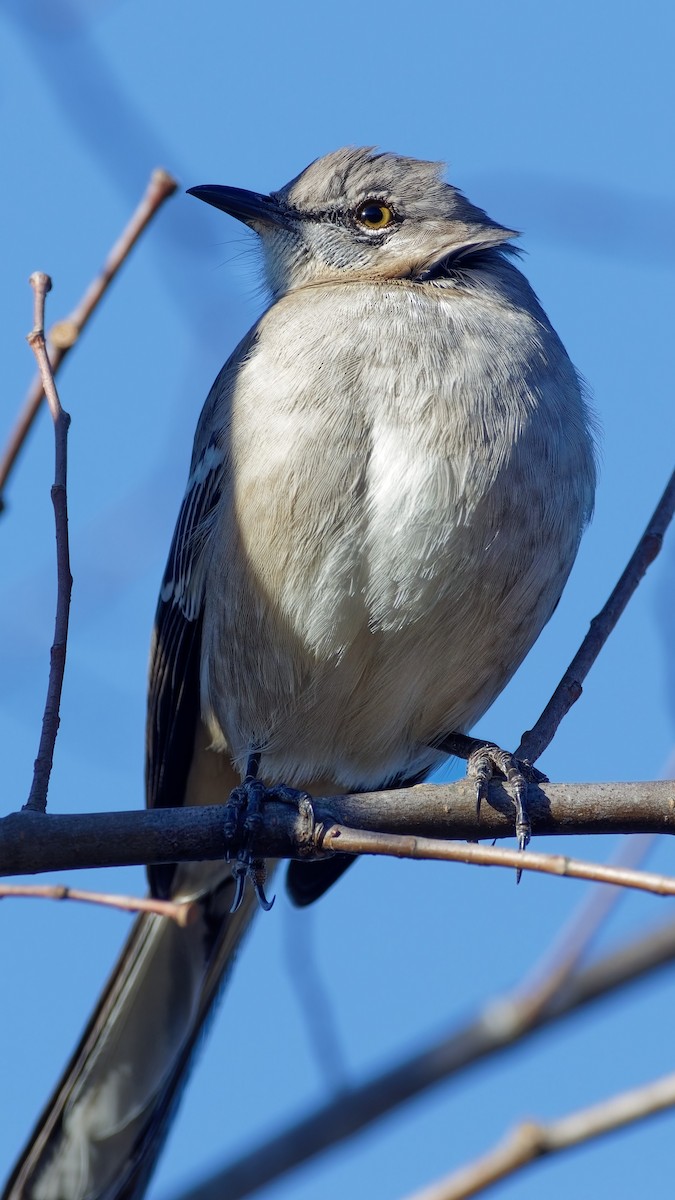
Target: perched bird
point(389, 481)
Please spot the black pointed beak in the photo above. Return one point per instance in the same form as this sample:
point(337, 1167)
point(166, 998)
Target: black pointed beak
point(252, 208)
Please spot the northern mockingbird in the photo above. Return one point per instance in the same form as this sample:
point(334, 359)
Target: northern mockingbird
point(389, 481)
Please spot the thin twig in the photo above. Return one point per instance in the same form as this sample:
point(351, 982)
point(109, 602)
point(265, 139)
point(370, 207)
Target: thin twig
point(502, 1024)
point(65, 333)
point(350, 841)
point(532, 1140)
point(182, 913)
point(534, 741)
point(37, 799)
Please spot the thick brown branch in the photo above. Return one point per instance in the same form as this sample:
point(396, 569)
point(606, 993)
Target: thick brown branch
point(37, 799)
point(65, 333)
point(31, 843)
point(502, 1024)
point(568, 691)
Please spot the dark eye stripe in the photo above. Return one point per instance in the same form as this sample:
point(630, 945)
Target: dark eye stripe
point(338, 216)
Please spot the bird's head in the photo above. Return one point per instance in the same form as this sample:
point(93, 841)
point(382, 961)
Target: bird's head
point(359, 215)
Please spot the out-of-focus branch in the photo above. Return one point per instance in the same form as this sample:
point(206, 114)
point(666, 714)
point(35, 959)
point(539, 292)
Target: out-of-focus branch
point(182, 913)
point(562, 958)
point(534, 741)
point(37, 798)
point(502, 1024)
point(64, 334)
point(532, 1140)
point(31, 843)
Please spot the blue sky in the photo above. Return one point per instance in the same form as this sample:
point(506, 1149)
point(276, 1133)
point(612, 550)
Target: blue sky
point(558, 120)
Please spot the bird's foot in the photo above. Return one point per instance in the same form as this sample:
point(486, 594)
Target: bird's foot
point(484, 760)
point(244, 813)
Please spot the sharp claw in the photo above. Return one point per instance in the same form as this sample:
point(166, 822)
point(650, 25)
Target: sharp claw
point(256, 873)
point(239, 872)
point(479, 800)
point(253, 869)
point(523, 827)
point(264, 903)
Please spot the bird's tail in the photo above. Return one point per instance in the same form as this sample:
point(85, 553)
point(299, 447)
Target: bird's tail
point(102, 1130)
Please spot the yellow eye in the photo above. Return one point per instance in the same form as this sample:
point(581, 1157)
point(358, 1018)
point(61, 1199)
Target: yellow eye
point(374, 215)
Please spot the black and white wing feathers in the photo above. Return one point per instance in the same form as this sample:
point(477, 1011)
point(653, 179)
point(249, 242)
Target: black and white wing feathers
point(173, 688)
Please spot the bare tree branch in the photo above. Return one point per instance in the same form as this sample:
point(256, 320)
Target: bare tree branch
point(183, 913)
point(66, 332)
point(503, 1023)
point(31, 843)
point(535, 740)
point(361, 841)
point(37, 798)
point(532, 1140)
